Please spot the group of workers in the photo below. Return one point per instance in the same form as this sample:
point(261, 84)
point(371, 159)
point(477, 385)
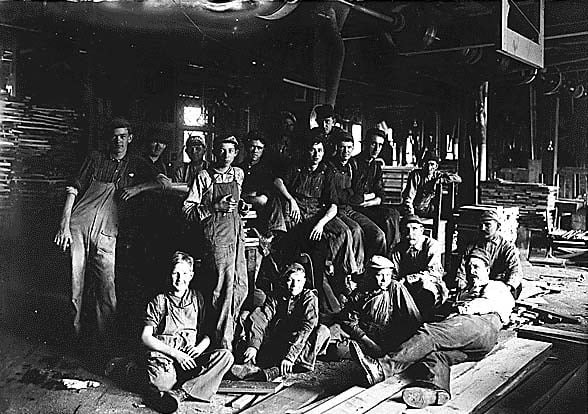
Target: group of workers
point(374, 273)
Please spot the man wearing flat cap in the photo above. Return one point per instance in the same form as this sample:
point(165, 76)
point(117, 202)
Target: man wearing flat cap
point(368, 188)
point(417, 262)
point(421, 186)
point(380, 314)
point(214, 201)
point(503, 256)
point(468, 333)
point(195, 149)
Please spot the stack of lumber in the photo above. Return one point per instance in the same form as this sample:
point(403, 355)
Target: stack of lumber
point(37, 152)
point(535, 201)
point(475, 386)
point(467, 222)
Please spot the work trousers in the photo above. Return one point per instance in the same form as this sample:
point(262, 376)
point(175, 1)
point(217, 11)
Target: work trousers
point(430, 352)
point(276, 344)
point(200, 383)
point(374, 239)
point(388, 219)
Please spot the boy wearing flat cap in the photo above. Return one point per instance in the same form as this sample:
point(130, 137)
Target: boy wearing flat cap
point(467, 334)
point(381, 314)
point(195, 149)
point(421, 184)
point(214, 201)
point(503, 256)
point(417, 262)
point(286, 327)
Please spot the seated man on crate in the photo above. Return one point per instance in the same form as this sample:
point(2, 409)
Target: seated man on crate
point(469, 333)
point(421, 185)
point(179, 366)
point(417, 262)
point(503, 256)
point(380, 314)
point(286, 330)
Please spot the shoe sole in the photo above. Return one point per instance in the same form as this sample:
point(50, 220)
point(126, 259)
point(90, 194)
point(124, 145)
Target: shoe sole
point(418, 397)
point(357, 355)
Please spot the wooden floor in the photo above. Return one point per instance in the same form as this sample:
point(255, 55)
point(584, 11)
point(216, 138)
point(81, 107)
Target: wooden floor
point(33, 303)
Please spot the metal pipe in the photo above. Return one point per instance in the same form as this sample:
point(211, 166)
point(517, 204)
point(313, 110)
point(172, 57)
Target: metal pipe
point(555, 141)
point(303, 85)
point(369, 12)
point(482, 45)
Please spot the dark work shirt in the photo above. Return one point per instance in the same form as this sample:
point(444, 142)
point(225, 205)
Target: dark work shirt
point(420, 189)
point(158, 166)
point(312, 190)
point(102, 167)
point(286, 316)
point(369, 176)
point(342, 177)
point(258, 178)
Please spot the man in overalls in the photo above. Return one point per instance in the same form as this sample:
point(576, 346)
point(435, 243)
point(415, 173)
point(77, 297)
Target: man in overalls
point(89, 226)
point(213, 200)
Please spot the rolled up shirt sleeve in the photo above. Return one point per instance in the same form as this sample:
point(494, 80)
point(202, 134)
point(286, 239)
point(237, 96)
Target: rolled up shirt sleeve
point(198, 205)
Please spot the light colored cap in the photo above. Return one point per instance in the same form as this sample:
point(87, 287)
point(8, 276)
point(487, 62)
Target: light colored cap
point(196, 139)
point(379, 262)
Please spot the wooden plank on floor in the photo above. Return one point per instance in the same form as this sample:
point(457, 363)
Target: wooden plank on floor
point(483, 383)
point(333, 401)
point(546, 398)
point(247, 387)
point(243, 401)
point(290, 398)
point(571, 398)
point(365, 400)
point(543, 333)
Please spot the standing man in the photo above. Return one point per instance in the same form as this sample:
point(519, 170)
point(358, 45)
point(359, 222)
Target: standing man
point(344, 173)
point(503, 256)
point(310, 214)
point(157, 141)
point(421, 185)
point(368, 188)
point(188, 171)
point(467, 334)
point(214, 201)
point(325, 118)
point(90, 223)
point(417, 262)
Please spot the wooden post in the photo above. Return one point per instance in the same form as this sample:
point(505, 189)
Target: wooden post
point(532, 119)
point(482, 129)
point(555, 141)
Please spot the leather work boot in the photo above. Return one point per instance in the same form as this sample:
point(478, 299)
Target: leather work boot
point(270, 374)
point(420, 397)
point(244, 371)
point(169, 401)
point(371, 367)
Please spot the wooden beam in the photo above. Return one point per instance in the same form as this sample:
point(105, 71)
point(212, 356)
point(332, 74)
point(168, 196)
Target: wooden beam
point(571, 397)
point(248, 387)
point(550, 334)
point(291, 398)
point(334, 401)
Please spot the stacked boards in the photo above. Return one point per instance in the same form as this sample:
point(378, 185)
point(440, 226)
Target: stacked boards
point(536, 202)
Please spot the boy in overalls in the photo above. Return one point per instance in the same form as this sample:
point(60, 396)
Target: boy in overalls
point(106, 181)
point(214, 200)
point(178, 364)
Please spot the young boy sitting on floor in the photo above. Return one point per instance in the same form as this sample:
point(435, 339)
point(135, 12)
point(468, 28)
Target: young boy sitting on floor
point(178, 363)
point(286, 328)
